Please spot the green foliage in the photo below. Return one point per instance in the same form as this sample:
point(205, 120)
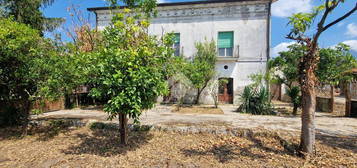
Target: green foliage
point(285, 66)
point(202, 69)
point(334, 62)
point(19, 54)
point(127, 69)
point(28, 68)
point(301, 22)
point(29, 12)
point(294, 93)
point(256, 101)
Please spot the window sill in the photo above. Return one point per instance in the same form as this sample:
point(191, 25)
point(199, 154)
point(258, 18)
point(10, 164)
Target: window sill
point(231, 58)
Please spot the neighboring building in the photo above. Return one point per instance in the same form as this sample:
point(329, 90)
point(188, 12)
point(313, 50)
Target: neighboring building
point(241, 29)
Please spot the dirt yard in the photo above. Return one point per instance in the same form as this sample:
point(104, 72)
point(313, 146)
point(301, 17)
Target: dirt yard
point(197, 110)
point(84, 147)
point(163, 115)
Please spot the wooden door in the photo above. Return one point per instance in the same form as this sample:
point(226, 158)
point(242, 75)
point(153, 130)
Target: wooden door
point(225, 91)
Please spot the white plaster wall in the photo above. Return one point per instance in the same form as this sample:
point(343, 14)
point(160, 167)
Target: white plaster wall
point(195, 23)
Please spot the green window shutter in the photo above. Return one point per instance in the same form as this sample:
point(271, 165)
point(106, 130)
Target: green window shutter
point(225, 40)
point(177, 38)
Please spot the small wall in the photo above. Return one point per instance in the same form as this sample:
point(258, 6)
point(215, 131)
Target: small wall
point(323, 104)
point(46, 105)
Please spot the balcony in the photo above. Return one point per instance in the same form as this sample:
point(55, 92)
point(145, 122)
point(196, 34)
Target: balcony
point(230, 58)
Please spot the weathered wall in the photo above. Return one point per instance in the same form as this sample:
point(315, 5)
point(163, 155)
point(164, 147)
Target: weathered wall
point(195, 23)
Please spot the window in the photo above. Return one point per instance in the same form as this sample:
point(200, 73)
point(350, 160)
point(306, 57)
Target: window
point(176, 45)
point(225, 44)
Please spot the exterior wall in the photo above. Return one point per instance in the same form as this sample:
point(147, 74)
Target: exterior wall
point(200, 22)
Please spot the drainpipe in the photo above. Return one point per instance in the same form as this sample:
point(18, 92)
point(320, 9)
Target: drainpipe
point(96, 20)
point(268, 42)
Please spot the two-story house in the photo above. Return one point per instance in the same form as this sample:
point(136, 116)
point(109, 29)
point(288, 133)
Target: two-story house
point(241, 29)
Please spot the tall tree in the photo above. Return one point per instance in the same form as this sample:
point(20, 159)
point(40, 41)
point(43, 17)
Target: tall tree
point(301, 22)
point(202, 68)
point(25, 63)
point(29, 12)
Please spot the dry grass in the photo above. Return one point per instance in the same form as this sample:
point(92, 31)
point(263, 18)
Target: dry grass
point(99, 148)
point(197, 110)
point(205, 124)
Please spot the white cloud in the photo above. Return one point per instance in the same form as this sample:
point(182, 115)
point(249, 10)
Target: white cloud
point(285, 8)
point(279, 48)
point(340, 24)
point(351, 30)
point(352, 44)
point(162, 1)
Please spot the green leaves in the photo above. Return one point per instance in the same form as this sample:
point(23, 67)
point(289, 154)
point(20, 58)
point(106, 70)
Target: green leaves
point(301, 22)
point(127, 69)
point(202, 69)
point(334, 62)
point(29, 12)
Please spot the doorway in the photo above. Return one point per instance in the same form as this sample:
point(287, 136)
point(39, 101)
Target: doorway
point(225, 90)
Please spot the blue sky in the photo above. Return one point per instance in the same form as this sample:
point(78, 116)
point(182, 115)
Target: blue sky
point(346, 31)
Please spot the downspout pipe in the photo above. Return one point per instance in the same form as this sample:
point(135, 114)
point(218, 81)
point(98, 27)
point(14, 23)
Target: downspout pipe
point(268, 39)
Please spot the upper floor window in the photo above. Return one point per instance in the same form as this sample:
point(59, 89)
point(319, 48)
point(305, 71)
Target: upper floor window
point(225, 44)
point(176, 45)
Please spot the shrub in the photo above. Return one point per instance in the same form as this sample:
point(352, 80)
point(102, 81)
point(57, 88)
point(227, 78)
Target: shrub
point(256, 101)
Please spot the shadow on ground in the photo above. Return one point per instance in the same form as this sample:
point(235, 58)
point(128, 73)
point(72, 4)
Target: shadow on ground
point(105, 142)
point(227, 151)
point(44, 129)
point(348, 143)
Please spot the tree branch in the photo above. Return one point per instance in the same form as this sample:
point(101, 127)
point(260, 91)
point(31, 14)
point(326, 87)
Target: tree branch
point(341, 18)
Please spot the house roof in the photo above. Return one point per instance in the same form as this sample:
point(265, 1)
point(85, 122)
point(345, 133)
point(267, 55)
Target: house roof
point(183, 3)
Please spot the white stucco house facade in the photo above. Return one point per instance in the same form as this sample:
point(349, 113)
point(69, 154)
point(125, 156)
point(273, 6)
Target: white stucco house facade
point(241, 29)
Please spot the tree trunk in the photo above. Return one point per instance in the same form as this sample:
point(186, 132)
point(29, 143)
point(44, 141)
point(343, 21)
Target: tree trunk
point(295, 109)
point(307, 82)
point(348, 99)
point(198, 96)
point(308, 120)
point(332, 94)
point(25, 107)
point(123, 128)
point(77, 100)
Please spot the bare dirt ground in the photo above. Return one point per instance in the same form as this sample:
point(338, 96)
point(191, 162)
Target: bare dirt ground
point(84, 147)
point(196, 110)
point(163, 115)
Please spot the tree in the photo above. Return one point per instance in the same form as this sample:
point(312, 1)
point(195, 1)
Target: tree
point(285, 70)
point(301, 22)
point(213, 89)
point(24, 70)
point(127, 69)
point(202, 68)
point(333, 63)
point(29, 13)
point(173, 69)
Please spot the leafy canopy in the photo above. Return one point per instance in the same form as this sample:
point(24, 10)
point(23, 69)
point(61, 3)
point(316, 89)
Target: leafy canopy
point(127, 70)
point(334, 62)
point(29, 13)
point(202, 69)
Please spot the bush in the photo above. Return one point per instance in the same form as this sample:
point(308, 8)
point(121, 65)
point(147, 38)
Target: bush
point(256, 101)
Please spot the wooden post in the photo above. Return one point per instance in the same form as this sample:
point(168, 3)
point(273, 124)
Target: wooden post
point(332, 102)
point(348, 99)
point(123, 128)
